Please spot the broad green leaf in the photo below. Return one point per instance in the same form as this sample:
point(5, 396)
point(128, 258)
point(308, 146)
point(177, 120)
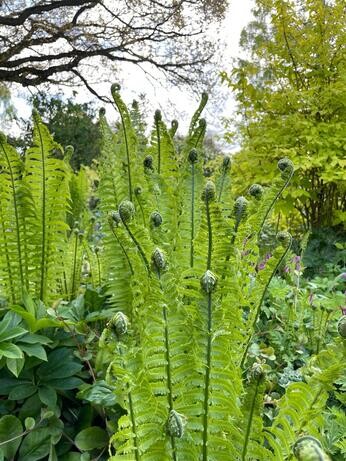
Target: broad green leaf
point(33, 323)
point(22, 392)
point(32, 338)
point(47, 396)
point(90, 438)
point(47, 323)
point(11, 333)
point(10, 428)
point(99, 393)
point(67, 365)
point(29, 304)
point(36, 445)
point(10, 350)
point(64, 384)
point(7, 384)
point(34, 350)
point(15, 365)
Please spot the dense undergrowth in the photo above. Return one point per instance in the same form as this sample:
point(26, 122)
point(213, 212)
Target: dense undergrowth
point(156, 326)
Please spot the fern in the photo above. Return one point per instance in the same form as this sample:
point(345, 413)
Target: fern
point(175, 267)
point(47, 179)
point(15, 204)
point(180, 257)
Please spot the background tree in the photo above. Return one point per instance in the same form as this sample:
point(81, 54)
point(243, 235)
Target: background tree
point(70, 123)
point(66, 41)
point(291, 94)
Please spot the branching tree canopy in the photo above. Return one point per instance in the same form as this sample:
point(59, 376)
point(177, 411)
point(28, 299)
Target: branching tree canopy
point(64, 41)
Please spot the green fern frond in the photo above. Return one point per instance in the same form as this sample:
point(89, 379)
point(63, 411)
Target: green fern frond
point(47, 180)
point(17, 223)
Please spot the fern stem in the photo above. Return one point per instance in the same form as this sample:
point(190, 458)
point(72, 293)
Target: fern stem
point(138, 246)
point(142, 211)
point(132, 415)
point(249, 422)
point(127, 152)
point(258, 310)
point(123, 250)
point(209, 342)
point(168, 371)
point(222, 185)
point(207, 380)
point(158, 147)
point(192, 214)
point(199, 137)
point(74, 266)
point(15, 206)
point(133, 423)
point(210, 236)
point(318, 345)
point(99, 268)
point(43, 251)
point(273, 202)
point(65, 283)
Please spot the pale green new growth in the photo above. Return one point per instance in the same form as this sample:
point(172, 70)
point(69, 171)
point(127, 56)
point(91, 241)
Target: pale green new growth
point(183, 270)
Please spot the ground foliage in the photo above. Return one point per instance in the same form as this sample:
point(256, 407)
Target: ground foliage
point(154, 308)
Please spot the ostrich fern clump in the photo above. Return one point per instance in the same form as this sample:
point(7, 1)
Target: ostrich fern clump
point(182, 267)
point(40, 199)
point(179, 255)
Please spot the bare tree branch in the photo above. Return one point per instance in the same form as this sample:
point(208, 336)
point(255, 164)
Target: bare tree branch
point(50, 40)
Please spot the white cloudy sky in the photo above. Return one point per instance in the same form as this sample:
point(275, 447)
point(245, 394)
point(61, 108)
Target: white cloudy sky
point(238, 15)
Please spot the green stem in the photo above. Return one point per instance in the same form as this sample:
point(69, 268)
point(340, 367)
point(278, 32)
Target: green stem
point(74, 267)
point(319, 334)
point(249, 422)
point(273, 202)
point(133, 423)
point(132, 415)
point(127, 151)
point(65, 283)
point(222, 184)
point(158, 147)
point(123, 250)
point(209, 343)
point(192, 214)
point(210, 236)
point(138, 246)
point(99, 268)
point(142, 211)
point(258, 310)
point(43, 251)
point(168, 372)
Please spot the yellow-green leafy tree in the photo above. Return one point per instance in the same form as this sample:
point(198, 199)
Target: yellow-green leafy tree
point(291, 93)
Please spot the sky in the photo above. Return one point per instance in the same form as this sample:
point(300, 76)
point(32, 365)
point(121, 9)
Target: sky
point(173, 102)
